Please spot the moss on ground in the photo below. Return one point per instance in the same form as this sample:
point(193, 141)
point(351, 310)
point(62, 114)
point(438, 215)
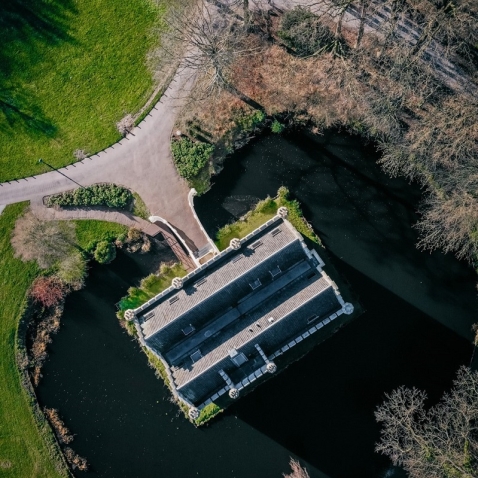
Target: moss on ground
point(156, 363)
point(264, 211)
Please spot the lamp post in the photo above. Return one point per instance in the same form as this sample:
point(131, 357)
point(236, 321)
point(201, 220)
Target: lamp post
point(41, 161)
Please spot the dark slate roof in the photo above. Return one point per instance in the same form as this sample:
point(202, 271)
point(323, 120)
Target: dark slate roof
point(221, 275)
point(307, 295)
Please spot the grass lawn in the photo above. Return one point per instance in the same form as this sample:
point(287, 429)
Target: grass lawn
point(150, 286)
point(23, 450)
point(264, 211)
point(69, 71)
point(90, 231)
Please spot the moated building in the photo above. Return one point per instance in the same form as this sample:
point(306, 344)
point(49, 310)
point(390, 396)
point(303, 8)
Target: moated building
point(218, 329)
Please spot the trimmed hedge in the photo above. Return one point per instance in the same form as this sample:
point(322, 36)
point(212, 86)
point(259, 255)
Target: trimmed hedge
point(97, 195)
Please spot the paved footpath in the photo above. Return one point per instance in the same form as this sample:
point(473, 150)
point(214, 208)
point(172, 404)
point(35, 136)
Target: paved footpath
point(142, 162)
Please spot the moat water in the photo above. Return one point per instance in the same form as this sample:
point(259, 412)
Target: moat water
point(415, 331)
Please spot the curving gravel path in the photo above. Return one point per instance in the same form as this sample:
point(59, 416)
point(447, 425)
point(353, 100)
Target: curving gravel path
point(142, 162)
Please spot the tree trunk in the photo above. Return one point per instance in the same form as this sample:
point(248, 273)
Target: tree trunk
point(363, 8)
point(247, 14)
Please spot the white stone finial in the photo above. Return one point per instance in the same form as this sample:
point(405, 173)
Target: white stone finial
point(177, 283)
point(129, 315)
point(193, 413)
point(271, 367)
point(235, 243)
point(234, 393)
point(283, 212)
point(348, 308)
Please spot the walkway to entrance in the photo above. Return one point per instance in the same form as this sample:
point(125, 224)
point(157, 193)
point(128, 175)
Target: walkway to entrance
point(141, 161)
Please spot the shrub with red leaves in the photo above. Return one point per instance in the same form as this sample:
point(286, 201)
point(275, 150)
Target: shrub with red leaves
point(48, 291)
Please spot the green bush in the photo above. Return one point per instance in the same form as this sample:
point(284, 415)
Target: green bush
point(249, 122)
point(97, 195)
point(72, 270)
point(105, 252)
point(190, 157)
point(302, 31)
point(277, 127)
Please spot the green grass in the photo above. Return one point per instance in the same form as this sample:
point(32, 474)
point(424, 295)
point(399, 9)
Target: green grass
point(208, 413)
point(25, 443)
point(90, 231)
point(150, 286)
point(158, 366)
point(202, 182)
point(70, 70)
point(139, 207)
point(264, 211)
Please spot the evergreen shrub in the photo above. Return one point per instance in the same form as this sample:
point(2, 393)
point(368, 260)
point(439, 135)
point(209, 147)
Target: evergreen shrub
point(109, 195)
point(190, 156)
point(105, 252)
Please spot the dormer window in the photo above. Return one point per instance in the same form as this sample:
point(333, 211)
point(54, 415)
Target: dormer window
point(200, 282)
point(149, 315)
point(238, 358)
point(254, 285)
point(275, 272)
point(196, 356)
point(188, 330)
point(256, 244)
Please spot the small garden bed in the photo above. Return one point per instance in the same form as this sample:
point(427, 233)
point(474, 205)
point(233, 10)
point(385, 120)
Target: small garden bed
point(149, 287)
point(109, 195)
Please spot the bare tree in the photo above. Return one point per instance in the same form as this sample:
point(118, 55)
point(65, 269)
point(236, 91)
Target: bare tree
point(48, 291)
point(297, 470)
point(213, 39)
point(450, 223)
point(47, 242)
point(441, 442)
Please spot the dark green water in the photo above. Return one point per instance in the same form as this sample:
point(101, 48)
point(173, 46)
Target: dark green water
point(415, 331)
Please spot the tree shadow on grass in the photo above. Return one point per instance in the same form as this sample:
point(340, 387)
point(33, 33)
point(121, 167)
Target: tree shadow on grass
point(19, 113)
point(26, 28)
